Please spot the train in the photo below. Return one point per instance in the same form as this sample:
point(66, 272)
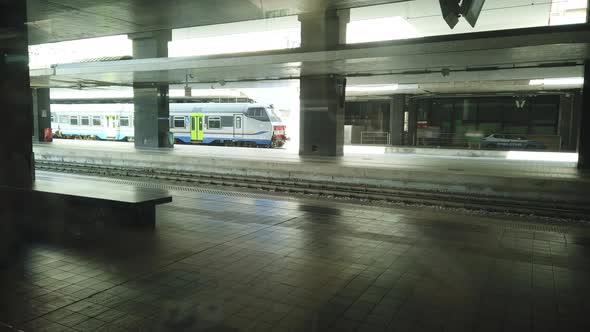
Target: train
point(243, 124)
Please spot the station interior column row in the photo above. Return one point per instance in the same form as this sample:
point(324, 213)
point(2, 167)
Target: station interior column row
point(152, 111)
point(322, 96)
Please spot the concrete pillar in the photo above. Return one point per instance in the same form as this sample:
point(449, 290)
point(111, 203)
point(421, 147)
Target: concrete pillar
point(324, 30)
point(16, 145)
point(322, 115)
point(584, 138)
point(16, 149)
point(566, 122)
point(576, 113)
point(397, 109)
point(322, 96)
point(41, 114)
point(152, 113)
point(412, 122)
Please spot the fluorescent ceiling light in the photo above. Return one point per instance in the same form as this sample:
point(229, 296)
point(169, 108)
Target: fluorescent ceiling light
point(405, 86)
point(373, 88)
point(558, 81)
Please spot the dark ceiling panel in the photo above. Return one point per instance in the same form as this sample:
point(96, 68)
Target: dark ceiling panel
point(58, 20)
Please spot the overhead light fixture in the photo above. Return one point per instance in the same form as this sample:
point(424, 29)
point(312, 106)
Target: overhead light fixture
point(558, 81)
point(373, 88)
point(471, 10)
point(408, 86)
point(452, 10)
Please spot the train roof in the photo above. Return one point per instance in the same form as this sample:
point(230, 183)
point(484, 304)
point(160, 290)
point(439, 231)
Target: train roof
point(214, 107)
point(174, 107)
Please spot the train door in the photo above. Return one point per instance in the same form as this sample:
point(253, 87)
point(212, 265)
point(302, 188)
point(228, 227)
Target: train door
point(111, 127)
point(196, 120)
point(238, 125)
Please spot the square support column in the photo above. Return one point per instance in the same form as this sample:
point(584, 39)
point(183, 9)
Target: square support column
point(411, 140)
point(324, 30)
point(584, 131)
point(41, 114)
point(322, 115)
point(16, 146)
point(322, 97)
point(152, 110)
point(397, 110)
point(151, 117)
point(17, 167)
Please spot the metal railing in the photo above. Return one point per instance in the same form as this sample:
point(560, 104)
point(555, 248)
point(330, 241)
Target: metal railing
point(375, 138)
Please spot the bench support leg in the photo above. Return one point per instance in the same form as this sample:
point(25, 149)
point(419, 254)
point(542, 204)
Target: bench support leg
point(144, 215)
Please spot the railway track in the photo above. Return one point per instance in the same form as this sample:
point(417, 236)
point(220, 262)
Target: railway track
point(552, 209)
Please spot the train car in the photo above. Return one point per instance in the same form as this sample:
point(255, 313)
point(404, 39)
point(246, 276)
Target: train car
point(93, 121)
point(245, 124)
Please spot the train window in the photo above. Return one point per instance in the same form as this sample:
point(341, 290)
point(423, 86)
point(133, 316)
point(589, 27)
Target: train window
point(193, 126)
point(85, 121)
point(258, 113)
point(64, 119)
point(52, 118)
point(201, 124)
point(96, 121)
point(238, 122)
point(179, 122)
point(124, 121)
point(73, 120)
point(214, 123)
point(227, 121)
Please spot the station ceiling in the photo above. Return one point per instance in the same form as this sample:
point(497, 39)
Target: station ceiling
point(499, 61)
point(59, 20)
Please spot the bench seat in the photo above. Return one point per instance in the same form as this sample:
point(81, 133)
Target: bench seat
point(80, 202)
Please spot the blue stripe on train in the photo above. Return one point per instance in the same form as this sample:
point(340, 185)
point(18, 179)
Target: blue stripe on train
point(209, 140)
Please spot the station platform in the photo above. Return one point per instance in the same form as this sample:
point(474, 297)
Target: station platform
point(234, 261)
point(518, 175)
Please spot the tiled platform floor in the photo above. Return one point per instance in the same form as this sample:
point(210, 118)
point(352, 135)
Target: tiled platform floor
point(233, 262)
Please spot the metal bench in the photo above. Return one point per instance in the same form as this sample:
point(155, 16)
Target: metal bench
point(84, 202)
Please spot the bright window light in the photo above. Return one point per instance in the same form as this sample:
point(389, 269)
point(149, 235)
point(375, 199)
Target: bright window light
point(379, 29)
point(45, 55)
point(243, 42)
point(558, 81)
point(542, 156)
point(568, 12)
point(373, 88)
point(208, 93)
point(106, 92)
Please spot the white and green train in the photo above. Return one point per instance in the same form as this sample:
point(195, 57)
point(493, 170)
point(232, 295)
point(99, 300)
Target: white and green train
point(245, 124)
